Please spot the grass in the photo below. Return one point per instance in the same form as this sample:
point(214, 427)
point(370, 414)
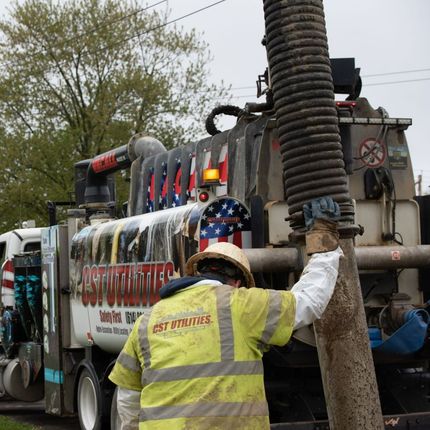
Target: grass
point(9, 424)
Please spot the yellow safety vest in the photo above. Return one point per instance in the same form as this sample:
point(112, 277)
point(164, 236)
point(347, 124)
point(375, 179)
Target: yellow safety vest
point(196, 357)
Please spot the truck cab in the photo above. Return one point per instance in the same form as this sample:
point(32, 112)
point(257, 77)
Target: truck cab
point(15, 242)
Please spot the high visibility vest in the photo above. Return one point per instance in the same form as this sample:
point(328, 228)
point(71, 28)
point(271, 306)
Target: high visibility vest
point(196, 357)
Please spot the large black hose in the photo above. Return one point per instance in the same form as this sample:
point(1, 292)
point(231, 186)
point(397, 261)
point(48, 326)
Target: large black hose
point(305, 108)
point(223, 109)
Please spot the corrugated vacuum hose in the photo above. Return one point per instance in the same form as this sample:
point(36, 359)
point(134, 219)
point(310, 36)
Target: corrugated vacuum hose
point(304, 102)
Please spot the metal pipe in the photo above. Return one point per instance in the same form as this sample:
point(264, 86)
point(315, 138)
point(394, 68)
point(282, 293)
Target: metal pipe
point(392, 257)
point(122, 157)
point(368, 258)
point(274, 259)
point(98, 192)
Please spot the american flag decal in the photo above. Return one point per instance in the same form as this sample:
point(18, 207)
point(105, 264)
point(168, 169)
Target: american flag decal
point(177, 185)
point(150, 191)
point(225, 220)
point(223, 171)
point(191, 192)
point(163, 190)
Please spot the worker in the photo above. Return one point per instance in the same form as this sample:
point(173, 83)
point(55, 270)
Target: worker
point(194, 361)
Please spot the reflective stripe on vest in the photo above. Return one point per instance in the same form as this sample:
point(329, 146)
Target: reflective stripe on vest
point(223, 295)
point(273, 317)
point(205, 370)
point(143, 339)
point(209, 409)
point(128, 362)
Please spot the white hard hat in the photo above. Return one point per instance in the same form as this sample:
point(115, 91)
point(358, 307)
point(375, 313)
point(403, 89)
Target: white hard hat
point(226, 251)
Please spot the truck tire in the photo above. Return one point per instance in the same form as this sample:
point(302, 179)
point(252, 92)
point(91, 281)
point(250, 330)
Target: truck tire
point(90, 402)
point(14, 387)
point(115, 420)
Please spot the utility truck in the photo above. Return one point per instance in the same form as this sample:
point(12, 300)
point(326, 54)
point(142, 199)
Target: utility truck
point(75, 302)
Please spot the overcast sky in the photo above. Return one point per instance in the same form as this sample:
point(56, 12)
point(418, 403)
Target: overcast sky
point(385, 36)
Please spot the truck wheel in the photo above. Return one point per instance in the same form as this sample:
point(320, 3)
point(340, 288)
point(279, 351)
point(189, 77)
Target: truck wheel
point(89, 401)
point(12, 381)
point(115, 420)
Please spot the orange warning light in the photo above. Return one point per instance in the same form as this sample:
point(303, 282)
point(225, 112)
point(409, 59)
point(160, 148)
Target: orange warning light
point(210, 176)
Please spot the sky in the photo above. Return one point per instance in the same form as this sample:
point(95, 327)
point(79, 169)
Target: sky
point(386, 37)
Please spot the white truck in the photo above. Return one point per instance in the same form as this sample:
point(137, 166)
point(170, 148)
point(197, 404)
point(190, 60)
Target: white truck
point(14, 242)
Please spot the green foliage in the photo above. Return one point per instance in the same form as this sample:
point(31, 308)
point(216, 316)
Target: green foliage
point(80, 77)
point(9, 424)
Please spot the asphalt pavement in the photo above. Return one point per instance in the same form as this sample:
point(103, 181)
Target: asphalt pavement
point(34, 413)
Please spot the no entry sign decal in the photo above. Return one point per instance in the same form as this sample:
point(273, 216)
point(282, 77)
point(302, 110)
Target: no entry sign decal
point(372, 152)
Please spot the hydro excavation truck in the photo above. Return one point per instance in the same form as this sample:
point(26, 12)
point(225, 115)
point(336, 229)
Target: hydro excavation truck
point(75, 302)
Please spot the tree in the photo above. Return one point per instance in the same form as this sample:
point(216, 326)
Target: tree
point(82, 76)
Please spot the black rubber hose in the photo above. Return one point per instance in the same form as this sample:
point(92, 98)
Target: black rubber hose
point(223, 109)
point(304, 103)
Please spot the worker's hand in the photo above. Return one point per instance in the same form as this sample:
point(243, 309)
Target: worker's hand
point(321, 217)
point(321, 208)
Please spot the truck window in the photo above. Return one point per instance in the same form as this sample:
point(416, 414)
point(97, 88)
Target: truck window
point(32, 246)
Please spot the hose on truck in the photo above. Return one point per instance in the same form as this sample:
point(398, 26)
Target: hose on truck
point(225, 110)
point(303, 93)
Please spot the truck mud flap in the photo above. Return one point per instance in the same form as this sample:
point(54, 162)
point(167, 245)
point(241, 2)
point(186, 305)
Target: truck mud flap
point(417, 421)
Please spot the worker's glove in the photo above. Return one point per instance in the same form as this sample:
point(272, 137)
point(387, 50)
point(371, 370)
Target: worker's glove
point(321, 217)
